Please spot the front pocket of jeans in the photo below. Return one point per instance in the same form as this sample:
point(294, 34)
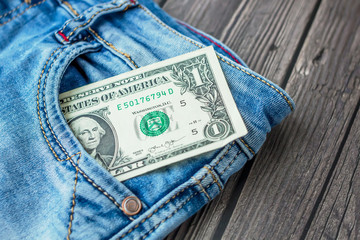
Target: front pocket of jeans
point(146, 39)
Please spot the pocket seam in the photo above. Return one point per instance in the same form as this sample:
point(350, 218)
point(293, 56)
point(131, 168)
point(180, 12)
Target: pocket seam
point(21, 13)
point(11, 11)
point(113, 47)
point(73, 202)
point(96, 13)
point(70, 158)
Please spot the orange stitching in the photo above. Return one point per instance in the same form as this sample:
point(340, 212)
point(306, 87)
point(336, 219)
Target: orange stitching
point(212, 167)
point(113, 47)
point(148, 12)
point(76, 13)
point(105, 9)
point(38, 107)
point(68, 158)
point(252, 75)
point(70, 7)
point(38, 104)
point(231, 162)
point(73, 202)
point(168, 217)
point(10, 12)
point(96, 186)
point(73, 11)
point(214, 177)
point(162, 205)
point(202, 188)
point(46, 115)
point(177, 194)
point(31, 6)
point(62, 29)
point(247, 146)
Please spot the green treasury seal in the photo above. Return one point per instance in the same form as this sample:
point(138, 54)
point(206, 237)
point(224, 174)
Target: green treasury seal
point(154, 123)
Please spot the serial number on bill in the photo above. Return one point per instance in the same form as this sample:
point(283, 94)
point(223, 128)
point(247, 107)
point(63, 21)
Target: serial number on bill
point(148, 98)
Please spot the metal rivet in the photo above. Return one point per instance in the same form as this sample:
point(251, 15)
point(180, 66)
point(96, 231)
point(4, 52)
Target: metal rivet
point(131, 205)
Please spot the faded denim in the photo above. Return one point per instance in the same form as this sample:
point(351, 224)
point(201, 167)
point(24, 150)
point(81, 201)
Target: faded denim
point(50, 187)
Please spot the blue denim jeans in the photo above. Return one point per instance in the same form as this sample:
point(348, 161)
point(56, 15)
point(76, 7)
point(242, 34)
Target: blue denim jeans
point(50, 187)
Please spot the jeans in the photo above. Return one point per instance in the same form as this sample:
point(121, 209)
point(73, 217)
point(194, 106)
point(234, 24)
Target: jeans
point(50, 187)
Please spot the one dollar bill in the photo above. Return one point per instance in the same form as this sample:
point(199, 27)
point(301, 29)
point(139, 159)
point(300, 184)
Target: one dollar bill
point(155, 115)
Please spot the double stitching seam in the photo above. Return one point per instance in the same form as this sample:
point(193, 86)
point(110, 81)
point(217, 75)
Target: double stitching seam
point(51, 148)
point(70, 7)
point(77, 14)
point(214, 177)
point(176, 195)
point(232, 161)
point(105, 9)
point(73, 11)
point(246, 145)
point(38, 104)
point(262, 80)
point(11, 11)
point(227, 151)
point(252, 75)
point(46, 115)
point(73, 202)
point(99, 37)
point(169, 216)
point(70, 157)
point(202, 188)
point(31, 6)
point(98, 187)
point(175, 211)
point(113, 47)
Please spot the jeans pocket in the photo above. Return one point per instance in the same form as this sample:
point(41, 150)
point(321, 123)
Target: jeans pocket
point(138, 37)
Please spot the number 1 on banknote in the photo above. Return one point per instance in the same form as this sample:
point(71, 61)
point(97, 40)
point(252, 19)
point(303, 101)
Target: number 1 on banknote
point(155, 115)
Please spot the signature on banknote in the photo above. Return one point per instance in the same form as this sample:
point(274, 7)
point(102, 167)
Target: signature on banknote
point(166, 145)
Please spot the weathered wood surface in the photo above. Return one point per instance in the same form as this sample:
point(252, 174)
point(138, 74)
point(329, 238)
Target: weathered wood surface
point(304, 183)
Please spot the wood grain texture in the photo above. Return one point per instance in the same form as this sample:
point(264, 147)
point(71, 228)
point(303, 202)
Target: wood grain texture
point(160, 2)
point(208, 15)
point(283, 23)
point(304, 183)
point(290, 176)
point(338, 213)
point(265, 33)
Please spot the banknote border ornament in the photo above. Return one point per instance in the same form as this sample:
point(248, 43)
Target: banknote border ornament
point(206, 92)
point(222, 131)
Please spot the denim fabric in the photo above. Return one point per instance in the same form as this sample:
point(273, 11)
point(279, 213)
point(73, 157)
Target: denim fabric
point(50, 187)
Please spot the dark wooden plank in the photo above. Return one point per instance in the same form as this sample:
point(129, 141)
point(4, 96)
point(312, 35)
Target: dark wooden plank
point(338, 214)
point(293, 170)
point(242, 26)
point(206, 221)
point(161, 3)
point(265, 33)
point(208, 15)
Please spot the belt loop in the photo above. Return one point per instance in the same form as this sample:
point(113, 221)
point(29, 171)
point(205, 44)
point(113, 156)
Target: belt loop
point(72, 28)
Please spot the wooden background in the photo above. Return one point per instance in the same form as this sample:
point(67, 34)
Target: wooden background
point(305, 181)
